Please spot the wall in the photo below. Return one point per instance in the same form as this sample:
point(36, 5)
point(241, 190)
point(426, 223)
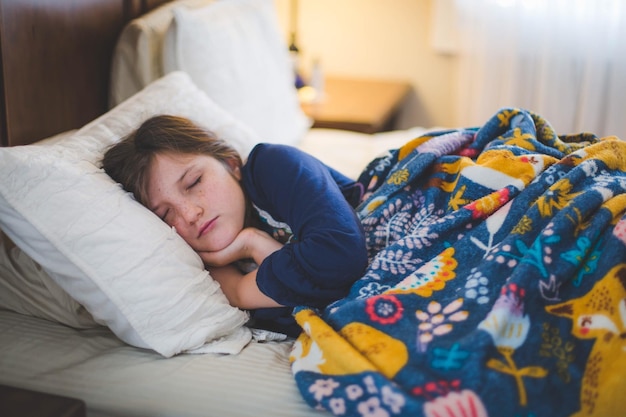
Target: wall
point(379, 39)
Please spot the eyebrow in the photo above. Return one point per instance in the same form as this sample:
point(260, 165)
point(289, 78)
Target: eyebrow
point(182, 177)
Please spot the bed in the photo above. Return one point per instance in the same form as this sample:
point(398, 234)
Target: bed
point(497, 275)
point(52, 344)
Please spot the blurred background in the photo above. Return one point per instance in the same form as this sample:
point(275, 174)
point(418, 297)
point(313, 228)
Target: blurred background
point(564, 59)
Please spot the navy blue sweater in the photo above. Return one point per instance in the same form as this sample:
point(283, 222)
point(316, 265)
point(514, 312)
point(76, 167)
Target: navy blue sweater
point(326, 253)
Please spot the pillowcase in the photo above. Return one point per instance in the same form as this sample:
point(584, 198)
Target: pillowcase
point(27, 289)
point(113, 256)
point(234, 52)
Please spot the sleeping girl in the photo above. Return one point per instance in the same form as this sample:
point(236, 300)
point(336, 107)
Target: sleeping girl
point(277, 231)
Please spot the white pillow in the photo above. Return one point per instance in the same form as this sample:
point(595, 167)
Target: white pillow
point(137, 60)
point(234, 52)
point(108, 252)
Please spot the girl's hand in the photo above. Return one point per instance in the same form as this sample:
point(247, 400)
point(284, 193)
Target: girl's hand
point(250, 243)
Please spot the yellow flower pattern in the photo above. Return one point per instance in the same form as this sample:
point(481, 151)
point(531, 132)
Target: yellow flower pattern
point(557, 197)
point(399, 177)
point(505, 116)
point(523, 140)
point(525, 225)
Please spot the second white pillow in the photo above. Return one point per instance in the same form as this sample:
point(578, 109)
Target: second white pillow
point(234, 52)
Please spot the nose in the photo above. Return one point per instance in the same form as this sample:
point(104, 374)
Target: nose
point(190, 213)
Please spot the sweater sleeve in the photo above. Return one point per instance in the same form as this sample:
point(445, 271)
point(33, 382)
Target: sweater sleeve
point(327, 253)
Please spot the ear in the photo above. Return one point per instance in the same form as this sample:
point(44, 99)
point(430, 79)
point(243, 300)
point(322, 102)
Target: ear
point(235, 168)
point(621, 276)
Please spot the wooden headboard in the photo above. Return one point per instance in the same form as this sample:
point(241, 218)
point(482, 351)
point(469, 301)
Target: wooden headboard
point(55, 61)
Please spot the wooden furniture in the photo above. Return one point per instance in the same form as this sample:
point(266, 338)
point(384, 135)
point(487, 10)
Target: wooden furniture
point(17, 402)
point(55, 62)
point(49, 81)
point(361, 105)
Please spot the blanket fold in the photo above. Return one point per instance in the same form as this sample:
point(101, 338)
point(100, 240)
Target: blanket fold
point(496, 283)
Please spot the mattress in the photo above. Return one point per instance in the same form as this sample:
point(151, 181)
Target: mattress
point(115, 379)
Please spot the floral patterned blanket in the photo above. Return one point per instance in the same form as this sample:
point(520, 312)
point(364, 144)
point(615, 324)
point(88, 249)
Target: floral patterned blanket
point(496, 284)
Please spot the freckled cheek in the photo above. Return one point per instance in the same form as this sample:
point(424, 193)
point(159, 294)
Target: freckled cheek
point(184, 232)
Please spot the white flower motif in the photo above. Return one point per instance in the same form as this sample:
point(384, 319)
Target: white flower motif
point(309, 362)
point(371, 289)
point(337, 406)
point(323, 388)
point(372, 408)
point(370, 384)
point(394, 400)
point(476, 287)
point(354, 391)
point(590, 167)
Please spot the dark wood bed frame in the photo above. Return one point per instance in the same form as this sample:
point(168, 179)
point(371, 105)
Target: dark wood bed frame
point(55, 60)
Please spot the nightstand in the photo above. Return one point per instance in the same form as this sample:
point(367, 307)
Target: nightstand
point(18, 402)
point(361, 105)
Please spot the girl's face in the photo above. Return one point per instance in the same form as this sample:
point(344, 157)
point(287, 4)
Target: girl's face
point(198, 196)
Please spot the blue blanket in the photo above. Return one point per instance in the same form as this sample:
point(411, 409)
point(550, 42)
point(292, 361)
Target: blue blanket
point(496, 284)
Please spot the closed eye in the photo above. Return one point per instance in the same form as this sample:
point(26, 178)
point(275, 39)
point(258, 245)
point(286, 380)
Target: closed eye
point(196, 182)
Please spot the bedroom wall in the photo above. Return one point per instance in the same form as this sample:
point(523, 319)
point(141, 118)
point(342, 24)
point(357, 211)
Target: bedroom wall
point(379, 39)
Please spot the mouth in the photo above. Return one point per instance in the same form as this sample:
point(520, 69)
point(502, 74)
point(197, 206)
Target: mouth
point(206, 226)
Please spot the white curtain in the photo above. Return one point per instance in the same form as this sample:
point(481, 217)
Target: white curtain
point(563, 59)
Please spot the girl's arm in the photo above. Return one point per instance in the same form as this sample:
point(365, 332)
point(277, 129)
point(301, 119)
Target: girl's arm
point(240, 289)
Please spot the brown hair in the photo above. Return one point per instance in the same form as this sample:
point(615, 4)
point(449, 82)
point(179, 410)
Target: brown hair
point(128, 161)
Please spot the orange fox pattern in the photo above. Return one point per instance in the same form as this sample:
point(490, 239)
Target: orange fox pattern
point(601, 315)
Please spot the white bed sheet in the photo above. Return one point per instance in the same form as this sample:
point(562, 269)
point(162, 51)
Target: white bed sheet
point(350, 152)
point(115, 379)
